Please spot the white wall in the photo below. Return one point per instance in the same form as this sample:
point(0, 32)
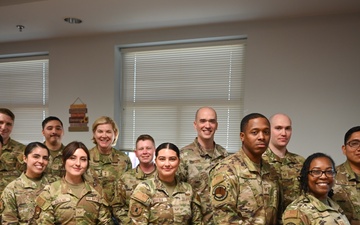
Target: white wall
point(307, 68)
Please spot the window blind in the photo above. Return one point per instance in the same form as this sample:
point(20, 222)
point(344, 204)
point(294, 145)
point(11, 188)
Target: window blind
point(24, 91)
point(163, 86)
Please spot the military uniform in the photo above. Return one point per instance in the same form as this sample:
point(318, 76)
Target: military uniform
point(347, 192)
point(11, 162)
point(195, 164)
point(18, 199)
point(150, 203)
point(307, 209)
point(243, 192)
point(58, 205)
point(53, 170)
point(288, 170)
point(128, 182)
point(109, 168)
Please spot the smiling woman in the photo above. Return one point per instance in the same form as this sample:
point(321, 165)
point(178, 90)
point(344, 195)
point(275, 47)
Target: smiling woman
point(315, 206)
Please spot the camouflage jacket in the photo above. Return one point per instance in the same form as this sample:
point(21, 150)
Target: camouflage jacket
point(11, 162)
point(128, 182)
point(307, 209)
point(242, 195)
point(288, 170)
point(150, 203)
point(18, 200)
point(347, 192)
point(195, 165)
point(53, 170)
point(108, 169)
point(58, 205)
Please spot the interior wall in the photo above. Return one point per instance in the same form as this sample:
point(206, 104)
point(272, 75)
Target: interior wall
point(307, 68)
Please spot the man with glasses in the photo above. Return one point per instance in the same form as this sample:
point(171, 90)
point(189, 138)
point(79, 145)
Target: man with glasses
point(347, 187)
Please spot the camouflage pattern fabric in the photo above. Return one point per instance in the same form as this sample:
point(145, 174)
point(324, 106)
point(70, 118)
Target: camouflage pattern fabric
point(288, 170)
point(53, 170)
point(150, 203)
point(240, 194)
point(18, 200)
point(194, 168)
point(347, 192)
point(11, 162)
point(108, 169)
point(310, 210)
point(127, 184)
point(58, 205)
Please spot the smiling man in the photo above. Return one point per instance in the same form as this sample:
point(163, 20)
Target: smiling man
point(288, 165)
point(244, 188)
point(52, 130)
point(200, 156)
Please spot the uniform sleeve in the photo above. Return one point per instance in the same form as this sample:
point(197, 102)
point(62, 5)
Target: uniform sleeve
point(196, 210)
point(104, 217)
point(139, 208)
point(182, 171)
point(120, 208)
point(44, 212)
point(9, 207)
point(293, 217)
point(223, 197)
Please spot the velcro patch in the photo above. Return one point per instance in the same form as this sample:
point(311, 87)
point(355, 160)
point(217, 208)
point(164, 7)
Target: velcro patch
point(217, 179)
point(220, 193)
point(291, 214)
point(37, 212)
point(136, 210)
point(141, 197)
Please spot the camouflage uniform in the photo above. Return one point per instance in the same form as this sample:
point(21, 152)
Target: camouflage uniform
point(18, 200)
point(195, 164)
point(108, 169)
point(128, 182)
point(11, 162)
point(347, 192)
point(288, 170)
point(242, 195)
point(150, 203)
point(310, 210)
point(58, 205)
point(53, 170)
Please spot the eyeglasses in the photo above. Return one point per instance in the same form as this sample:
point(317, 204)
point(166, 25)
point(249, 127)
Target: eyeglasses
point(354, 144)
point(319, 173)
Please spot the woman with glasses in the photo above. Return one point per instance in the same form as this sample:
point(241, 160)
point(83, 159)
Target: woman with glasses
point(314, 205)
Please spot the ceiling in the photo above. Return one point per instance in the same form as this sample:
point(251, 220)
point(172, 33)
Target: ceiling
point(44, 19)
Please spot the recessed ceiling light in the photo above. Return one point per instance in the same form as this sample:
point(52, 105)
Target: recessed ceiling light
point(20, 27)
point(73, 20)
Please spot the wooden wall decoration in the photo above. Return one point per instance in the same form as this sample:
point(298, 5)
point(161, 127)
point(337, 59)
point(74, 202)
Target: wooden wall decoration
point(78, 119)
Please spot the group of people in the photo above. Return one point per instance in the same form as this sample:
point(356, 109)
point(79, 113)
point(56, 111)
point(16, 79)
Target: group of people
point(201, 183)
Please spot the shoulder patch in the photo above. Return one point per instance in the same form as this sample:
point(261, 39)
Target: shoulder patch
point(141, 197)
point(220, 193)
point(217, 179)
point(40, 201)
point(291, 214)
point(136, 210)
point(37, 212)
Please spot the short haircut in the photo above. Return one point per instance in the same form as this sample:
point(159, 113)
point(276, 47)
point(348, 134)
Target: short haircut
point(8, 112)
point(350, 132)
point(168, 145)
point(247, 118)
point(30, 147)
point(48, 119)
point(105, 120)
point(145, 137)
point(304, 181)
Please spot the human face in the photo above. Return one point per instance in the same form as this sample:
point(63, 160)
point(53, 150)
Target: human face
point(206, 124)
point(36, 162)
point(167, 163)
point(6, 126)
point(281, 131)
point(77, 164)
point(352, 153)
point(145, 151)
point(320, 186)
point(104, 136)
point(53, 132)
point(255, 138)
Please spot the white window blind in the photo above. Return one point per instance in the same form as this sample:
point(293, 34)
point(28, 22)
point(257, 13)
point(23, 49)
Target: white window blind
point(24, 90)
point(163, 86)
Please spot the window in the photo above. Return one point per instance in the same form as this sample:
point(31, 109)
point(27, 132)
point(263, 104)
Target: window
point(24, 91)
point(163, 86)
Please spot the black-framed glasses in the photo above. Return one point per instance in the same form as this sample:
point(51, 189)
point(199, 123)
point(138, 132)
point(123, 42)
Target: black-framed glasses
point(354, 144)
point(319, 173)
